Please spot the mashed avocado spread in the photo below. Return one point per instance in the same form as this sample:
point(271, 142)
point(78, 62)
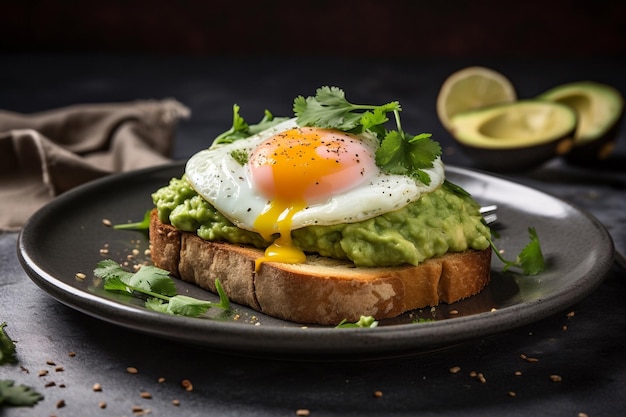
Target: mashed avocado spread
point(439, 222)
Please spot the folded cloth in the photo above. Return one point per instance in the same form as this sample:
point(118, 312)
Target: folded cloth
point(44, 154)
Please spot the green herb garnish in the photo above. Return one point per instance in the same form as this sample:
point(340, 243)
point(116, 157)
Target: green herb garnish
point(530, 259)
point(7, 347)
point(11, 394)
point(241, 129)
point(141, 225)
point(158, 286)
point(240, 155)
point(399, 152)
point(364, 321)
point(17, 395)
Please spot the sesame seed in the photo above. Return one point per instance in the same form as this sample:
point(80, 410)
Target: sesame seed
point(80, 276)
point(107, 222)
point(187, 385)
point(176, 402)
point(511, 393)
point(556, 378)
point(146, 395)
point(378, 394)
point(303, 412)
point(131, 370)
point(102, 405)
point(454, 369)
point(96, 387)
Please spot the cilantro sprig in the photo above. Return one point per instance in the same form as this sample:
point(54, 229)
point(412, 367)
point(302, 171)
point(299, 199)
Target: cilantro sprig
point(157, 287)
point(530, 259)
point(399, 152)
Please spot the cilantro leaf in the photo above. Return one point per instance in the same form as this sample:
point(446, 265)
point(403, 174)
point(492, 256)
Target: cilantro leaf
point(151, 278)
point(7, 347)
point(238, 130)
point(404, 154)
point(530, 259)
point(17, 395)
point(108, 269)
point(241, 129)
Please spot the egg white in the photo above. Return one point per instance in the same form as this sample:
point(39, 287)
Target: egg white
point(226, 184)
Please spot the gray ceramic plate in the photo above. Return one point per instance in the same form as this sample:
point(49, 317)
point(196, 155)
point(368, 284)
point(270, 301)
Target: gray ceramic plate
point(67, 237)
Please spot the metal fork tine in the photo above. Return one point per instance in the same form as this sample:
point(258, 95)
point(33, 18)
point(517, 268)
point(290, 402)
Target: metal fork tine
point(489, 213)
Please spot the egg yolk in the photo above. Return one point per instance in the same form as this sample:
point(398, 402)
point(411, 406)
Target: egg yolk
point(298, 168)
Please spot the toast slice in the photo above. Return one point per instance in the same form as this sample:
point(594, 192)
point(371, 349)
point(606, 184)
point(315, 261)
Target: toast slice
point(321, 290)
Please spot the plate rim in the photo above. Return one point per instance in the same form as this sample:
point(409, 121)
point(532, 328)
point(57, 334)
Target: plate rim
point(276, 340)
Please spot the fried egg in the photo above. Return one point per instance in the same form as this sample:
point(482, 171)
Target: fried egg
point(288, 177)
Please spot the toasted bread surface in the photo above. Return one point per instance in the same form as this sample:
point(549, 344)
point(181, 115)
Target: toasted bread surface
point(321, 290)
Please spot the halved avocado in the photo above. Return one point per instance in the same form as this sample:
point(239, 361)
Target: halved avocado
point(600, 108)
point(515, 136)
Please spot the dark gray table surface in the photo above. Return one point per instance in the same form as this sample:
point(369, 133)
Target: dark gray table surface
point(583, 344)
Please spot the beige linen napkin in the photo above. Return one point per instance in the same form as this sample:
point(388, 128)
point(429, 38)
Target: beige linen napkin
point(44, 154)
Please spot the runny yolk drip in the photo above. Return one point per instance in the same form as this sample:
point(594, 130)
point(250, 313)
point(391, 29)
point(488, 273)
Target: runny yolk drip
point(299, 167)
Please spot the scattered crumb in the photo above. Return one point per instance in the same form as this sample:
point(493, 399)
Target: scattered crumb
point(50, 363)
point(378, 394)
point(43, 372)
point(97, 387)
point(60, 404)
point(176, 402)
point(50, 384)
point(132, 370)
point(187, 385)
point(571, 314)
point(303, 412)
point(528, 359)
point(454, 369)
point(102, 405)
point(556, 378)
point(161, 380)
point(59, 369)
point(61, 385)
point(518, 373)
point(582, 415)
point(71, 354)
point(511, 393)
point(146, 395)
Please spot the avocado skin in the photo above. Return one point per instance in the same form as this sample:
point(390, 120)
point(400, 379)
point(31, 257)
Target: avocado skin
point(516, 159)
point(589, 151)
point(595, 152)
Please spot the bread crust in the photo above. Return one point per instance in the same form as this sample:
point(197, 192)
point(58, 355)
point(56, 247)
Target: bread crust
point(321, 290)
